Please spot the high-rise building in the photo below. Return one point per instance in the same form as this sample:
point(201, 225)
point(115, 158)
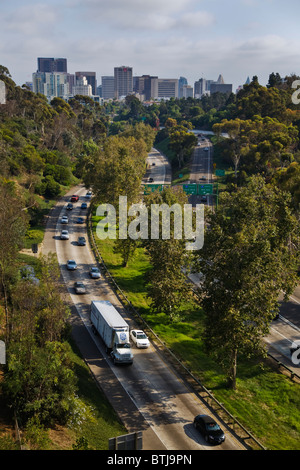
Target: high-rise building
point(187, 91)
point(108, 87)
point(200, 87)
point(82, 87)
point(123, 81)
point(51, 84)
point(168, 88)
point(91, 79)
point(52, 64)
point(146, 86)
point(220, 88)
point(181, 82)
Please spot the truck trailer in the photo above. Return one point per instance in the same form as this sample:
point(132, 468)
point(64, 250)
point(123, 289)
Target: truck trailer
point(113, 330)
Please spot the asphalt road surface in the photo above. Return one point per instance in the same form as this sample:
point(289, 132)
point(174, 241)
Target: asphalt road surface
point(147, 395)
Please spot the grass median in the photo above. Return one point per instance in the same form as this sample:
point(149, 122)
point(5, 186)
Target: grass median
point(266, 402)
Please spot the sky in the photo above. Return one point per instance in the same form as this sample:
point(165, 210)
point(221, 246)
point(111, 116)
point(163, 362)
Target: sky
point(165, 38)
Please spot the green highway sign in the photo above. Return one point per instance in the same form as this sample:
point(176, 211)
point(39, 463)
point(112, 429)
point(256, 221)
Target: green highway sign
point(220, 172)
point(150, 188)
point(204, 189)
point(190, 188)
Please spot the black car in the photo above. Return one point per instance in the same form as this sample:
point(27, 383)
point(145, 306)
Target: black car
point(69, 206)
point(81, 241)
point(209, 429)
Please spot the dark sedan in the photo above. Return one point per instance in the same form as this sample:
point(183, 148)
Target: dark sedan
point(209, 429)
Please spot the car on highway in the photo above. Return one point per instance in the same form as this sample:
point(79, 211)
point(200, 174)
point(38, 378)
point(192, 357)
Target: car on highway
point(81, 241)
point(69, 206)
point(150, 180)
point(74, 198)
point(95, 272)
point(64, 235)
point(206, 149)
point(64, 219)
point(84, 205)
point(79, 287)
point(203, 198)
point(88, 195)
point(71, 265)
point(139, 338)
point(209, 429)
point(80, 220)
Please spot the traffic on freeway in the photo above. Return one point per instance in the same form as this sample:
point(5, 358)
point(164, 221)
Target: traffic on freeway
point(148, 395)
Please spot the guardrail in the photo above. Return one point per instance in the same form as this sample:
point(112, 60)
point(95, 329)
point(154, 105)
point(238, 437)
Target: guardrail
point(204, 394)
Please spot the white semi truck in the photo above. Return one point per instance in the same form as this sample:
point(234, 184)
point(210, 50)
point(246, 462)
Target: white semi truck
point(113, 330)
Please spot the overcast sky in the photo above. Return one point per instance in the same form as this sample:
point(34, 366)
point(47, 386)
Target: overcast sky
point(167, 38)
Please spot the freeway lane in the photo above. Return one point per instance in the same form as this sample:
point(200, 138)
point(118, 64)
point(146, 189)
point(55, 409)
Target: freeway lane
point(151, 397)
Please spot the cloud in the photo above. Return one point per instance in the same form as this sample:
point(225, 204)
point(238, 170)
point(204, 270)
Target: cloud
point(196, 19)
point(30, 19)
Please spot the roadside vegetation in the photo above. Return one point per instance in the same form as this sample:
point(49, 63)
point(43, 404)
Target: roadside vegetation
point(46, 148)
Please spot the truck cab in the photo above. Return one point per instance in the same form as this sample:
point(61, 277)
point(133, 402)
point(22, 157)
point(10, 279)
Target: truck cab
point(121, 352)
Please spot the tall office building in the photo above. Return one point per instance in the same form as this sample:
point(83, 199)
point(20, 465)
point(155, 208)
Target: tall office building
point(82, 87)
point(123, 81)
point(181, 82)
point(91, 79)
point(146, 86)
point(52, 64)
point(167, 88)
point(51, 84)
point(200, 87)
point(108, 87)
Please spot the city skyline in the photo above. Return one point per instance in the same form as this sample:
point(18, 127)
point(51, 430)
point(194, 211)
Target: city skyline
point(170, 39)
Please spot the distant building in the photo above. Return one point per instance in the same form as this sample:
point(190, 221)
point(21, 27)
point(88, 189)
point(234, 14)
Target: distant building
point(146, 86)
point(123, 82)
point(187, 91)
point(82, 87)
point(91, 79)
point(108, 87)
point(51, 84)
point(220, 88)
point(2, 92)
point(167, 88)
point(52, 64)
point(201, 87)
point(181, 82)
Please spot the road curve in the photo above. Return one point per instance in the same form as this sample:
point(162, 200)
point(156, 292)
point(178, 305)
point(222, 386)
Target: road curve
point(148, 395)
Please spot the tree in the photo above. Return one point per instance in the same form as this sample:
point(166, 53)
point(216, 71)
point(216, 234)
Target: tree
point(116, 170)
point(249, 257)
point(167, 285)
point(182, 141)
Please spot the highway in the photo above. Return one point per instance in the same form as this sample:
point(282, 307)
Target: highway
point(286, 329)
point(148, 395)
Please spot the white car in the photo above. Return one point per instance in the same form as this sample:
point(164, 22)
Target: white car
point(64, 219)
point(139, 338)
point(95, 273)
point(64, 235)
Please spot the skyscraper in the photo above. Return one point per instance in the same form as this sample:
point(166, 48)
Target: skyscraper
point(108, 87)
point(123, 82)
point(91, 79)
point(51, 64)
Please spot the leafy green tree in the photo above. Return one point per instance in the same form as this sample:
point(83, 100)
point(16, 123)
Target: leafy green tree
point(182, 141)
point(167, 286)
point(249, 256)
point(116, 170)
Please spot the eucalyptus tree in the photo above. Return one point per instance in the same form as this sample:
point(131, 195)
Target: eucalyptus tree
point(250, 255)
